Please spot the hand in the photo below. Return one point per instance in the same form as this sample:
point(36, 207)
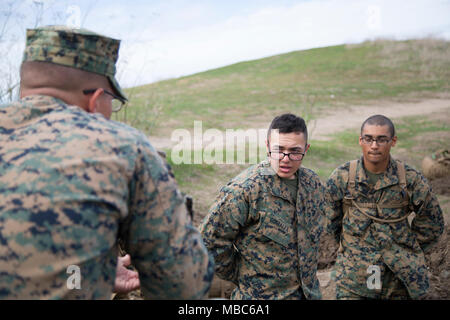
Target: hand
point(126, 280)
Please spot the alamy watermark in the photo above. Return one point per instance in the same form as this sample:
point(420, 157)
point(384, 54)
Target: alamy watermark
point(214, 146)
point(74, 280)
point(69, 15)
point(373, 21)
point(374, 280)
point(74, 16)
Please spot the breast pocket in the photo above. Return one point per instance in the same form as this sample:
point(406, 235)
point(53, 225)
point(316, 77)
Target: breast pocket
point(276, 229)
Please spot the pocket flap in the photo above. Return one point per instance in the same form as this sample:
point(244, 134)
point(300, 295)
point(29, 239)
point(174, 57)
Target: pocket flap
point(276, 229)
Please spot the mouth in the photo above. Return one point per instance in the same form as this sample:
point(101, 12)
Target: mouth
point(285, 169)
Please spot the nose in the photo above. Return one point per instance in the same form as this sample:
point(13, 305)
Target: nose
point(285, 159)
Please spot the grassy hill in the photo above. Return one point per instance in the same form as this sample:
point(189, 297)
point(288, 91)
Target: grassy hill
point(310, 83)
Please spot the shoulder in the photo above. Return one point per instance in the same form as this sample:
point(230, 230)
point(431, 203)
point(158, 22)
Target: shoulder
point(107, 137)
point(341, 173)
point(308, 177)
point(345, 167)
point(115, 137)
point(248, 178)
point(308, 174)
point(414, 177)
point(410, 170)
point(252, 180)
point(117, 129)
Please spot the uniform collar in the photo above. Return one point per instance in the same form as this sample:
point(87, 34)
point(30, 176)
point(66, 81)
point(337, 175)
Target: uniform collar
point(43, 102)
point(389, 178)
point(274, 183)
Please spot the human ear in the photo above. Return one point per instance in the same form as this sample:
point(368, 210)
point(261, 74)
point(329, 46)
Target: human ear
point(394, 141)
point(93, 101)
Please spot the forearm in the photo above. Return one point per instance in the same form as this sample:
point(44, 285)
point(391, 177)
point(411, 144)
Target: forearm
point(218, 237)
point(333, 221)
point(428, 223)
point(334, 213)
point(175, 264)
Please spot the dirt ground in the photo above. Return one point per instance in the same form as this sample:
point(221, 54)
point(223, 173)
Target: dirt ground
point(441, 186)
point(351, 117)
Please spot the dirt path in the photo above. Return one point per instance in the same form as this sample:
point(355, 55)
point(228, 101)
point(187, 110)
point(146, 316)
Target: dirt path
point(352, 117)
point(346, 118)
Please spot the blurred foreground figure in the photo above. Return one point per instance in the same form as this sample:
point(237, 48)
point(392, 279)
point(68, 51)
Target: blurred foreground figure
point(72, 182)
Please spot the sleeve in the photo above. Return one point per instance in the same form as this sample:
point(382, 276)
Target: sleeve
point(221, 227)
point(318, 221)
point(334, 213)
point(428, 223)
point(166, 248)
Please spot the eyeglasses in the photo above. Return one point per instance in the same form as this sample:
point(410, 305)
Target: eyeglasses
point(117, 102)
point(381, 141)
point(293, 156)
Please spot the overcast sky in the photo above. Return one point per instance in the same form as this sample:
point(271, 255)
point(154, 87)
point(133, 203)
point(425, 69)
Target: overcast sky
point(172, 38)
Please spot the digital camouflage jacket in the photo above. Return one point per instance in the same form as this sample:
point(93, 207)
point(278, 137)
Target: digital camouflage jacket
point(71, 184)
point(261, 241)
point(367, 242)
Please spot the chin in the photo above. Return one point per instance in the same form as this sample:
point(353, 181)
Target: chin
point(374, 160)
point(285, 175)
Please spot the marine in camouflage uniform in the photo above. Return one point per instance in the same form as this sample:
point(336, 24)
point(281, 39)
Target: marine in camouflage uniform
point(264, 227)
point(72, 182)
point(370, 221)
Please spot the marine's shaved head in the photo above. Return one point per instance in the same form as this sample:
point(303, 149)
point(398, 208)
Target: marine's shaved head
point(379, 120)
point(36, 74)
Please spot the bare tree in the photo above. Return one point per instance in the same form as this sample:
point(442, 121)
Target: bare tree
point(15, 17)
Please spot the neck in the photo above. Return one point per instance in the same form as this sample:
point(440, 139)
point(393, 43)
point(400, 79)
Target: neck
point(65, 96)
point(376, 168)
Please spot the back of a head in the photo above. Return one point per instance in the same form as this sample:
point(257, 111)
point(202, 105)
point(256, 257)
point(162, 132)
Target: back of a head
point(379, 120)
point(37, 75)
point(287, 123)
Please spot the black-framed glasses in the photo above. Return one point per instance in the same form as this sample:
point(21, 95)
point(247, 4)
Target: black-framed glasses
point(381, 141)
point(293, 156)
point(117, 102)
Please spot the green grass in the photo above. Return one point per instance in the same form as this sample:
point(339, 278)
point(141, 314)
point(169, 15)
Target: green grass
point(411, 127)
point(324, 156)
point(185, 173)
point(419, 136)
point(250, 93)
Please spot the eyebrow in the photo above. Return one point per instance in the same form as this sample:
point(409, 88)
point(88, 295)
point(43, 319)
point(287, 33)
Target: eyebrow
point(370, 136)
point(289, 149)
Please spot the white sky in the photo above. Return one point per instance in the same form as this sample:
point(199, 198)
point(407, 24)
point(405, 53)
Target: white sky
point(172, 38)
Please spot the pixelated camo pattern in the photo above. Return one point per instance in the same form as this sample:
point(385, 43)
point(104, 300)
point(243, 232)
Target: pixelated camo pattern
point(262, 241)
point(77, 48)
point(366, 242)
point(71, 183)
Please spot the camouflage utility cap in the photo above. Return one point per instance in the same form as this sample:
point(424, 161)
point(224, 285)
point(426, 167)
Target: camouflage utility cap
point(76, 48)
